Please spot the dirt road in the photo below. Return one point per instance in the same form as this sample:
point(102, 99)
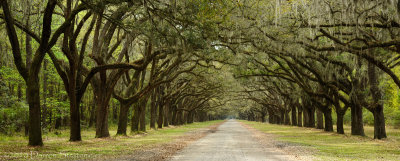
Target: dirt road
point(230, 142)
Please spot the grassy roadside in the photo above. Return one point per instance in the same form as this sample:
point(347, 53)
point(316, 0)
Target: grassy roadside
point(57, 147)
point(332, 146)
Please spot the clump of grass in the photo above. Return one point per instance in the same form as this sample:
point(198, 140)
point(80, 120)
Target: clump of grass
point(57, 146)
point(333, 146)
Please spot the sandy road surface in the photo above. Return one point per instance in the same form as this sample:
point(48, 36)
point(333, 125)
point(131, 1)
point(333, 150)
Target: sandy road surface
point(230, 142)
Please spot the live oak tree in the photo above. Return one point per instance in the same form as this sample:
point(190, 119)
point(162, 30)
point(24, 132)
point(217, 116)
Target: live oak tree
point(301, 38)
point(31, 74)
point(182, 61)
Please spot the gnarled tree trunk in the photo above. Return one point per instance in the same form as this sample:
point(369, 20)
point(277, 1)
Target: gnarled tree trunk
point(142, 119)
point(31, 74)
point(35, 129)
point(135, 117)
point(377, 110)
point(166, 114)
point(123, 118)
point(328, 119)
point(102, 116)
point(379, 123)
point(357, 127)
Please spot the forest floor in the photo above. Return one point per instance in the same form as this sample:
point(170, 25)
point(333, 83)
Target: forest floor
point(152, 145)
point(316, 144)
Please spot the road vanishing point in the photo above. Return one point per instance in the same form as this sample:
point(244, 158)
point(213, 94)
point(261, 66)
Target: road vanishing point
point(230, 142)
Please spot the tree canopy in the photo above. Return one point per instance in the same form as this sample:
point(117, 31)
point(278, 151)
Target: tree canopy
point(83, 63)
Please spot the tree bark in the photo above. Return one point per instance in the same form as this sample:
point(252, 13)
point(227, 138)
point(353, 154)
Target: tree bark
point(30, 75)
point(271, 119)
point(306, 117)
point(379, 123)
point(179, 117)
point(309, 117)
point(115, 111)
point(185, 119)
point(102, 114)
point(294, 118)
point(170, 114)
point(51, 95)
point(135, 117)
point(357, 127)
point(166, 114)
point(299, 116)
point(287, 118)
point(320, 119)
point(75, 120)
point(282, 117)
point(44, 110)
point(35, 129)
point(142, 120)
point(160, 115)
point(123, 119)
point(188, 117)
point(174, 115)
point(379, 118)
point(328, 120)
point(358, 84)
point(339, 122)
point(153, 107)
point(312, 117)
point(104, 92)
point(154, 93)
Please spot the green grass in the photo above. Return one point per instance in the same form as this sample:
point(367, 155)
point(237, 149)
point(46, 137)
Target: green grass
point(57, 147)
point(332, 146)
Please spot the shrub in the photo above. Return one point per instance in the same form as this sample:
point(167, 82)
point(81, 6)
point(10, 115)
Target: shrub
point(13, 117)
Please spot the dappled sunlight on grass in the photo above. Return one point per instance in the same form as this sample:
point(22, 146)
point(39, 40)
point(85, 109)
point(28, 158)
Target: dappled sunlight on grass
point(333, 146)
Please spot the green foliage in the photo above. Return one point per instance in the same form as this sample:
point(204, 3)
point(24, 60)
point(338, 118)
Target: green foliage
point(13, 116)
point(391, 100)
point(347, 117)
point(58, 108)
point(10, 74)
point(13, 112)
point(368, 117)
point(396, 119)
